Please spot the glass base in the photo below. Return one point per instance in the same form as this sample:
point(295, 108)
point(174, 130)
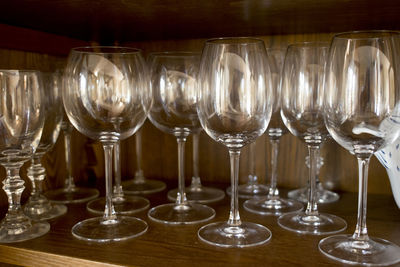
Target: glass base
point(12, 233)
point(250, 190)
point(221, 234)
point(147, 187)
point(99, 230)
point(122, 205)
point(189, 213)
point(322, 195)
point(374, 252)
point(74, 195)
point(38, 211)
point(272, 206)
point(199, 194)
point(321, 224)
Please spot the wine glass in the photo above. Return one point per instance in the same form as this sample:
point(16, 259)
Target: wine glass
point(106, 98)
point(302, 113)
point(272, 203)
point(362, 112)
point(21, 124)
point(173, 81)
point(252, 188)
point(322, 195)
point(70, 193)
point(38, 206)
point(123, 204)
point(140, 184)
point(235, 106)
point(196, 192)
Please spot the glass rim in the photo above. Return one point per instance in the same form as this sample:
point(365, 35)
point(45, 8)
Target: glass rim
point(234, 41)
point(309, 44)
point(23, 71)
point(175, 54)
point(383, 33)
point(106, 50)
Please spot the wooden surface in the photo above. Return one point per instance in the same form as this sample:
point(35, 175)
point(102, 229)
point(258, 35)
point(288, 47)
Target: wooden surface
point(165, 245)
point(108, 21)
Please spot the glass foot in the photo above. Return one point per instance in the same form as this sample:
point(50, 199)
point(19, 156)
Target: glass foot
point(99, 230)
point(199, 194)
point(69, 196)
point(146, 187)
point(250, 190)
point(122, 205)
point(321, 224)
point(11, 233)
point(272, 206)
point(44, 211)
point(189, 213)
point(373, 252)
point(322, 195)
point(221, 234)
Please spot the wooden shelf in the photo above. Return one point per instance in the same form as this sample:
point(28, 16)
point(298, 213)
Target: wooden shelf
point(166, 245)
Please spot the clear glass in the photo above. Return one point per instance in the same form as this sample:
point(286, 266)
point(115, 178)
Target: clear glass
point(235, 106)
point(323, 196)
point(174, 81)
point(196, 192)
point(271, 203)
point(107, 98)
point(252, 188)
point(302, 112)
point(38, 206)
point(70, 193)
point(140, 184)
point(362, 111)
point(22, 113)
point(123, 204)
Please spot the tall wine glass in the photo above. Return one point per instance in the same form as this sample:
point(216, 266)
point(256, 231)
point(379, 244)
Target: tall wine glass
point(140, 184)
point(272, 203)
point(252, 187)
point(106, 98)
point(196, 192)
point(21, 124)
point(70, 193)
point(174, 81)
point(123, 204)
point(235, 105)
point(302, 113)
point(38, 206)
point(362, 109)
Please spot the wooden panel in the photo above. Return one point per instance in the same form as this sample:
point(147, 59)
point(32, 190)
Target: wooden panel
point(108, 21)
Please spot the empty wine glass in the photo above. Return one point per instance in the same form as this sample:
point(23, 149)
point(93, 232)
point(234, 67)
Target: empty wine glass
point(140, 184)
point(272, 203)
point(362, 109)
point(106, 98)
point(235, 105)
point(21, 124)
point(123, 204)
point(196, 192)
point(38, 206)
point(70, 193)
point(174, 80)
point(302, 113)
point(252, 187)
point(322, 195)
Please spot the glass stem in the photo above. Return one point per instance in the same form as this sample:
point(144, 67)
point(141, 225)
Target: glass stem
point(118, 192)
point(181, 196)
point(109, 212)
point(69, 183)
point(234, 217)
point(312, 206)
point(139, 177)
point(196, 182)
point(36, 173)
point(252, 178)
point(273, 190)
point(361, 232)
point(13, 186)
